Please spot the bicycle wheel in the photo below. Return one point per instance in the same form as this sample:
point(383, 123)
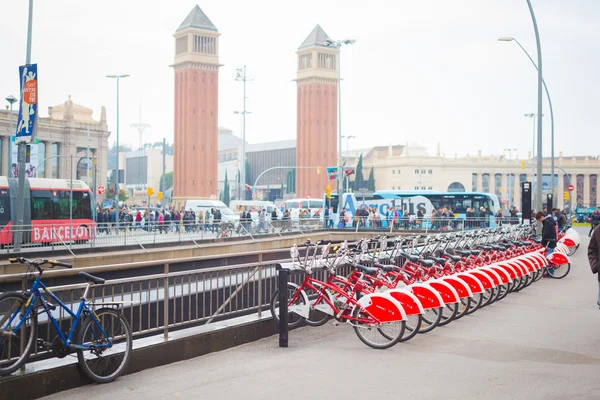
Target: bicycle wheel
point(475, 303)
point(489, 295)
point(463, 307)
point(559, 271)
point(449, 312)
point(503, 291)
point(430, 318)
point(539, 274)
point(413, 323)
point(12, 354)
point(374, 334)
point(104, 364)
point(293, 318)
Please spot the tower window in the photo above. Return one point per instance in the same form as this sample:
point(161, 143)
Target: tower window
point(326, 61)
point(305, 61)
point(205, 44)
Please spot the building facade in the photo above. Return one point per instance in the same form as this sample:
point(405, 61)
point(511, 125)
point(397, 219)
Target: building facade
point(316, 137)
point(69, 129)
point(411, 168)
point(196, 69)
point(143, 170)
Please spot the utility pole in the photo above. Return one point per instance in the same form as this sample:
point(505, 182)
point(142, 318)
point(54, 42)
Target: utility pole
point(141, 127)
point(241, 76)
point(164, 169)
point(22, 148)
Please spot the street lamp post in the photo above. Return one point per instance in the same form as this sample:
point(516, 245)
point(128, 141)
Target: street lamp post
point(242, 183)
point(241, 76)
point(338, 45)
point(11, 100)
point(539, 107)
point(512, 39)
point(348, 157)
point(116, 202)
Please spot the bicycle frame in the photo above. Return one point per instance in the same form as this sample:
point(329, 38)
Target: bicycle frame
point(35, 294)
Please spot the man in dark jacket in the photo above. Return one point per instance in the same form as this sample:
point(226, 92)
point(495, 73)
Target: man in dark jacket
point(548, 231)
point(594, 257)
point(594, 221)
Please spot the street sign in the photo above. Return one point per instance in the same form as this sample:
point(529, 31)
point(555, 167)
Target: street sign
point(29, 101)
point(570, 188)
point(100, 190)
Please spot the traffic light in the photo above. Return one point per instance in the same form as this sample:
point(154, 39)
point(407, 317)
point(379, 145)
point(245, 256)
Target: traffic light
point(328, 191)
point(318, 169)
point(522, 164)
point(566, 195)
point(150, 191)
point(160, 196)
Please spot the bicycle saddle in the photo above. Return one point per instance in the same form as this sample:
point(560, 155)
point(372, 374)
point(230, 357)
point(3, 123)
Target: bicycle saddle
point(465, 253)
point(475, 252)
point(92, 278)
point(386, 268)
point(438, 260)
point(427, 263)
point(410, 257)
point(452, 257)
point(366, 270)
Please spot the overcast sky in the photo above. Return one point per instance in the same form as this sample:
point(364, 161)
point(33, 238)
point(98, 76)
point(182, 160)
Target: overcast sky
point(422, 71)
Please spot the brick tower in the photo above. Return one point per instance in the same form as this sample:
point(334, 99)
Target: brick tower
point(196, 108)
point(316, 138)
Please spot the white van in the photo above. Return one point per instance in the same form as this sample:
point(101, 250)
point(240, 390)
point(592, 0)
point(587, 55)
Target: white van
point(295, 205)
point(206, 205)
point(253, 206)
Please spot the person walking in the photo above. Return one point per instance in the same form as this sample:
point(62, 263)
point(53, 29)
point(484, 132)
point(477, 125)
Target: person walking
point(594, 221)
point(262, 219)
point(594, 258)
point(548, 232)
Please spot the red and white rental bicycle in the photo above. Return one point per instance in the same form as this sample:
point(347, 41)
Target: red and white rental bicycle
point(390, 289)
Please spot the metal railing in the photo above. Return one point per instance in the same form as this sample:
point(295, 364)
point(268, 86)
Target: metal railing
point(50, 237)
point(168, 301)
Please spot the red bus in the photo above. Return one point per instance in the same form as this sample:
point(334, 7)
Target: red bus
point(47, 211)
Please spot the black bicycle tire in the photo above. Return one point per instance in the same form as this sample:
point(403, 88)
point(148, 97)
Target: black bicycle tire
point(23, 359)
point(446, 321)
point(80, 339)
point(560, 277)
point(274, 299)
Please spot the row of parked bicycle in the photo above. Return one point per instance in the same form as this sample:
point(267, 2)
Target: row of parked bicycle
point(390, 289)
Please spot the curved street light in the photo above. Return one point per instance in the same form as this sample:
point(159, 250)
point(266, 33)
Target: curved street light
point(512, 39)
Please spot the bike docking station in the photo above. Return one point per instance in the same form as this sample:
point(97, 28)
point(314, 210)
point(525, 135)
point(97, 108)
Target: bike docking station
point(282, 278)
point(389, 292)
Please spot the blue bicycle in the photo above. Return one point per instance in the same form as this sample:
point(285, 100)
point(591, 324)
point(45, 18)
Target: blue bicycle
point(103, 337)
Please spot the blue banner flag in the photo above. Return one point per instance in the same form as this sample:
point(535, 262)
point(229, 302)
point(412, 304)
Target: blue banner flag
point(332, 172)
point(29, 101)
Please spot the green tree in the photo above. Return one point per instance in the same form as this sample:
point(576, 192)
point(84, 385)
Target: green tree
point(371, 181)
point(226, 194)
point(167, 181)
point(359, 180)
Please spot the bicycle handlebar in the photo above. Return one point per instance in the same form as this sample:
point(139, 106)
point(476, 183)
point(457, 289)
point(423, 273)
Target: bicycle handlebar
point(39, 263)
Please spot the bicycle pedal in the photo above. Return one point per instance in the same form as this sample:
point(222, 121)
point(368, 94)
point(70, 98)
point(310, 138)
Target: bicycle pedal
point(335, 323)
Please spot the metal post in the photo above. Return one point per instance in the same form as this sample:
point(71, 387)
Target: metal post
point(164, 169)
point(22, 146)
point(339, 76)
point(539, 108)
point(283, 306)
point(71, 199)
point(243, 174)
point(166, 303)
point(117, 187)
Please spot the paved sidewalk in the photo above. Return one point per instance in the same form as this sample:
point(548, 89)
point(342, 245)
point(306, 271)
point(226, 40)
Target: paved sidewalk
point(542, 343)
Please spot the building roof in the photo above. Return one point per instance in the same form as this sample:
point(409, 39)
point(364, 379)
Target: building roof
point(198, 20)
point(315, 38)
point(227, 140)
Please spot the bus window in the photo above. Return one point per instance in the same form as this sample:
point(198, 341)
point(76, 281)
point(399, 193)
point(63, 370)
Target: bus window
point(41, 205)
point(334, 203)
point(315, 204)
point(4, 207)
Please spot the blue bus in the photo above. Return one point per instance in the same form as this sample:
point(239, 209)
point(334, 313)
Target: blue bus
point(410, 201)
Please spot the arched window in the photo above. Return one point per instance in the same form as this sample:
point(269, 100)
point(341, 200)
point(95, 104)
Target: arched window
point(456, 187)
